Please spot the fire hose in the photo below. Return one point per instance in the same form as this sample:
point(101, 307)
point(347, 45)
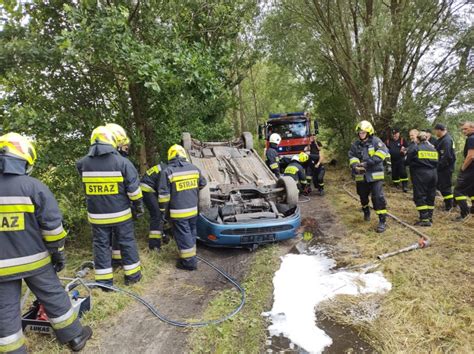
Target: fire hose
point(423, 241)
point(162, 317)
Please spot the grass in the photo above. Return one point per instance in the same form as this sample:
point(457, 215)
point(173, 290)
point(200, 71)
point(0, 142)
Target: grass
point(430, 307)
point(106, 306)
point(246, 332)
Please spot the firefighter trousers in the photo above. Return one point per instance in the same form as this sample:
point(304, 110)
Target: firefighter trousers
point(399, 172)
point(463, 190)
point(318, 176)
point(49, 291)
point(375, 190)
point(424, 191)
point(124, 233)
point(156, 222)
point(185, 234)
point(445, 186)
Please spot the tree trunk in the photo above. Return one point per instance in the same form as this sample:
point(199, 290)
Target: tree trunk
point(241, 109)
point(134, 91)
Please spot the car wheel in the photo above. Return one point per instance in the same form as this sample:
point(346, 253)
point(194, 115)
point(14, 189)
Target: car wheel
point(291, 189)
point(204, 198)
point(248, 140)
point(186, 141)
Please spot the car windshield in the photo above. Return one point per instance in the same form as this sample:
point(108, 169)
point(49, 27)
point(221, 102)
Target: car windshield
point(289, 130)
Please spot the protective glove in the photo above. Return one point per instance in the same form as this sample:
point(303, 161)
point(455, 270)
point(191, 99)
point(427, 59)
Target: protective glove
point(360, 168)
point(137, 209)
point(154, 244)
point(58, 259)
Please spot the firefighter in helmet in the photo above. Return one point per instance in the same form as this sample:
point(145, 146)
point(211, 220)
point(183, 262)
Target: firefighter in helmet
point(366, 157)
point(31, 249)
point(178, 196)
point(296, 170)
point(271, 154)
point(112, 186)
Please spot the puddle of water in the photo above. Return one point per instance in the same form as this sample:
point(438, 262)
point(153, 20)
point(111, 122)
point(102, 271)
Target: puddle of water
point(301, 283)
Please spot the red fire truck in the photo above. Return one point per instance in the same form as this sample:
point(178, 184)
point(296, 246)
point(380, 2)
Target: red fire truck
point(294, 129)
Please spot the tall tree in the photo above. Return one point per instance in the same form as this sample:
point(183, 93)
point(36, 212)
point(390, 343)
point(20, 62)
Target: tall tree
point(381, 52)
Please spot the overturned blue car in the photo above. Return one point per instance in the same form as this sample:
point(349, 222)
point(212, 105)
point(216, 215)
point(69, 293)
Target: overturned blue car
point(243, 204)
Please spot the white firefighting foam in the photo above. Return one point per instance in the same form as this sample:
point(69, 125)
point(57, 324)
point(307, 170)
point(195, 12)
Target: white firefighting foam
point(301, 283)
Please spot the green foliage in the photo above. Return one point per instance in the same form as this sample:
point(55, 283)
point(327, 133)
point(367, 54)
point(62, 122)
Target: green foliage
point(158, 68)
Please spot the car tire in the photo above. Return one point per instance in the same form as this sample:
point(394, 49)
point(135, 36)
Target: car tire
point(186, 141)
point(204, 198)
point(291, 189)
point(248, 140)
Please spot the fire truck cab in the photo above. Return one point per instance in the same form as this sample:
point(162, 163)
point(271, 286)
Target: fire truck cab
point(294, 129)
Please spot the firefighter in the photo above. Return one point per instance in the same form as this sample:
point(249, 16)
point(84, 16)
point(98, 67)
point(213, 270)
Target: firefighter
point(123, 145)
point(272, 158)
point(112, 186)
point(366, 157)
point(31, 249)
point(465, 183)
point(422, 158)
point(178, 195)
point(397, 148)
point(150, 184)
point(296, 170)
point(316, 170)
point(447, 159)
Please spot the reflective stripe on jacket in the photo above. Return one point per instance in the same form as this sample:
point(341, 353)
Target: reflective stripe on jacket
point(179, 189)
point(30, 226)
point(111, 182)
point(150, 181)
point(373, 152)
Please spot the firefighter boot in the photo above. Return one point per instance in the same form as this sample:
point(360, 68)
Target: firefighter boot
point(366, 211)
point(448, 204)
point(78, 343)
point(464, 211)
point(382, 226)
point(424, 219)
point(405, 186)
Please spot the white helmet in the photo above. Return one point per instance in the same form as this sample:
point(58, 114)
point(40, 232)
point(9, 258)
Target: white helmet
point(295, 158)
point(275, 138)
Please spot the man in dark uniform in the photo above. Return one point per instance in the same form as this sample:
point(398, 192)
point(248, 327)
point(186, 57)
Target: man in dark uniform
point(316, 170)
point(465, 183)
point(296, 170)
point(422, 158)
point(111, 184)
point(447, 159)
point(150, 183)
point(397, 149)
point(179, 192)
point(31, 249)
point(431, 138)
point(366, 158)
point(272, 158)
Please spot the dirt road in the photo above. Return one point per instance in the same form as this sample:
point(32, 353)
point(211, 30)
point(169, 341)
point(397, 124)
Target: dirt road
point(184, 295)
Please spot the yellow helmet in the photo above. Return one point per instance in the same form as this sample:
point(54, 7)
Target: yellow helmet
point(103, 135)
point(16, 145)
point(303, 157)
point(120, 134)
point(176, 150)
point(365, 126)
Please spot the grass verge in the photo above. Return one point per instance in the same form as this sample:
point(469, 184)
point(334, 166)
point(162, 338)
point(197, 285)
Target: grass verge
point(106, 306)
point(430, 307)
point(246, 332)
